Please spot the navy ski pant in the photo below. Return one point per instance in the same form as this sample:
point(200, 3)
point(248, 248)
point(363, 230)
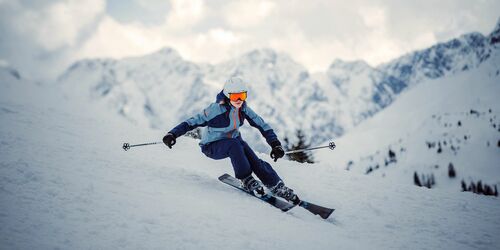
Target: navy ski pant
point(243, 159)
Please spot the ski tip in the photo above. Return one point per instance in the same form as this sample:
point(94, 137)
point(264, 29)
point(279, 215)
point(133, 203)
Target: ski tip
point(323, 212)
point(327, 214)
point(224, 176)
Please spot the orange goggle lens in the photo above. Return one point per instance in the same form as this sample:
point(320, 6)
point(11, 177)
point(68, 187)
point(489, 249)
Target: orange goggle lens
point(235, 96)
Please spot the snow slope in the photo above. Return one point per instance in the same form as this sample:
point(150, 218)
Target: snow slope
point(65, 183)
point(459, 114)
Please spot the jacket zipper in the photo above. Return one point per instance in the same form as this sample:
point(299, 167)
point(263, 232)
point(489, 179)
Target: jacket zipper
point(230, 133)
point(234, 119)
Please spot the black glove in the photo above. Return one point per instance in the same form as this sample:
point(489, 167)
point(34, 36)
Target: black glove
point(169, 140)
point(277, 152)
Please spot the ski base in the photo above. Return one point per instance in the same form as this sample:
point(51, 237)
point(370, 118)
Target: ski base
point(280, 204)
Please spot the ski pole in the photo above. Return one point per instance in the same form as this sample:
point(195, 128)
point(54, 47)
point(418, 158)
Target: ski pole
point(127, 146)
point(331, 145)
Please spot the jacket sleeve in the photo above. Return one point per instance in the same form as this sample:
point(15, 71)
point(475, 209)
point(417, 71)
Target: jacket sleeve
point(259, 123)
point(199, 120)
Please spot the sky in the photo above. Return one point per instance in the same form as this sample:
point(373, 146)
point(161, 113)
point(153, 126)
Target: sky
point(42, 38)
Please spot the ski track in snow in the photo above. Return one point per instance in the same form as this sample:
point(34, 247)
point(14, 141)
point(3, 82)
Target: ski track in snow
point(65, 183)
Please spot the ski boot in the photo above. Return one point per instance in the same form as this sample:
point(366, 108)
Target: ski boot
point(284, 192)
point(251, 185)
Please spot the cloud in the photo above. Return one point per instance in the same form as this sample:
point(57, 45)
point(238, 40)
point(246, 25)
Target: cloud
point(151, 5)
point(244, 14)
point(316, 55)
point(185, 14)
point(148, 12)
point(213, 46)
point(38, 37)
point(45, 36)
point(59, 24)
point(373, 16)
point(117, 40)
point(380, 43)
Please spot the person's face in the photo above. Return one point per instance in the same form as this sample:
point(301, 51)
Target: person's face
point(237, 103)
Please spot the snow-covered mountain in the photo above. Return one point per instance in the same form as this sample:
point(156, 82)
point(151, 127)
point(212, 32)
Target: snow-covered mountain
point(153, 91)
point(65, 183)
point(162, 89)
point(460, 54)
point(358, 90)
point(452, 120)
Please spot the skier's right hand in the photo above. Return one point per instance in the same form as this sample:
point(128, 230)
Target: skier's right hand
point(169, 140)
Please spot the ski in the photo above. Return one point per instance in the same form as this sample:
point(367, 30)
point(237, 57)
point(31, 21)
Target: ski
point(280, 204)
point(284, 206)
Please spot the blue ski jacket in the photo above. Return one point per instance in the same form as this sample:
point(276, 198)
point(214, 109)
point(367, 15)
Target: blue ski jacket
point(223, 121)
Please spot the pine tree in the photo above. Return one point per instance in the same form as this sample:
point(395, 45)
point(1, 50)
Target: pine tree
point(464, 186)
point(480, 189)
point(432, 180)
point(392, 156)
point(451, 171)
point(487, 190)
point(302, 157)
point(416, 180)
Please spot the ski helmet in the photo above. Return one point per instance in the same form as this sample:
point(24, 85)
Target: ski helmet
point(234, 85)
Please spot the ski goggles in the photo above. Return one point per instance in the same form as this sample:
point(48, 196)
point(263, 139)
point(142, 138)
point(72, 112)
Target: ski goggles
point(235, 96)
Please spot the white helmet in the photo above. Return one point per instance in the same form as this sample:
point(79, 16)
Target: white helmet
point(234, 85)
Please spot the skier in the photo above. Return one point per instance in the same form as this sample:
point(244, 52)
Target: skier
point(222, 139)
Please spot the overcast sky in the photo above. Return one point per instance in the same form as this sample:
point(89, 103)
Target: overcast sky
point(41, 37)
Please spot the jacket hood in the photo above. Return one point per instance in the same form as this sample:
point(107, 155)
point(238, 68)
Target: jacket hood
point(221, 97)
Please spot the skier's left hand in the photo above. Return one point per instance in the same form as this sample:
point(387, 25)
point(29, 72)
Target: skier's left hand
point(277, 152)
